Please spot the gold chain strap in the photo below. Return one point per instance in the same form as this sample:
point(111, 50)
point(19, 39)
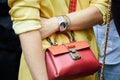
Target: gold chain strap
point(106, 39)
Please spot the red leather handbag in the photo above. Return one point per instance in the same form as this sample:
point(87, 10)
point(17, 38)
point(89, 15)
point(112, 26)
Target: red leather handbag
point(70, 60)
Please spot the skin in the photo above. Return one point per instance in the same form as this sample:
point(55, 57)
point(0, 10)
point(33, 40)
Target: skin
point(33, 54)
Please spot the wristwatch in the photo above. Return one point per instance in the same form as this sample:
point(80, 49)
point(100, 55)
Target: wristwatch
point(62, 23)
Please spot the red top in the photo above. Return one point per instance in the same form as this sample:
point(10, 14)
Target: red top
point(72, 7)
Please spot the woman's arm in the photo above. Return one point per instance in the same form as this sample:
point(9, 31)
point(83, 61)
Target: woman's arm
point(85, 19)
point(26, 16)
point(33, 52)
point(79, 20)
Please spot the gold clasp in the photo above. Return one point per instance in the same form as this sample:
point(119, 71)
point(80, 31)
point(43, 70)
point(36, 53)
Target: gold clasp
point(74, 54)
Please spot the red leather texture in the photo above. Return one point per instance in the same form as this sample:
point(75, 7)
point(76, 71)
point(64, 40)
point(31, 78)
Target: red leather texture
point(60, 64)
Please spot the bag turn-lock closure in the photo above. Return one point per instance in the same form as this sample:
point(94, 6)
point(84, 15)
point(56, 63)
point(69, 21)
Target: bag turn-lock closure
point(73, 52)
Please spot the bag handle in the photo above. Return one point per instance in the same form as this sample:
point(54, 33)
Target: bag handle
point(106, 39)
point(55, 38)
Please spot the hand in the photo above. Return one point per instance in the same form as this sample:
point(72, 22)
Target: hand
point(49, 26)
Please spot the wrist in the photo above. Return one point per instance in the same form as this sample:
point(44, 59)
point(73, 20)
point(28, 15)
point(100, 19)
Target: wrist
point(55, 24)
point(63, 22)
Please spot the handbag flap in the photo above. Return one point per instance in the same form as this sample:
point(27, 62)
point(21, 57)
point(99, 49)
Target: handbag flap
point(64, 48)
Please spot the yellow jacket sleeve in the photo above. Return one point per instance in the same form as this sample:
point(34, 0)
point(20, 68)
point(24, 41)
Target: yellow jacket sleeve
point(21, 11)
point(102, 5)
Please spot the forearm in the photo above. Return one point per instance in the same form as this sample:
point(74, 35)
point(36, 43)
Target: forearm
point(79, 20)
point(35, 58)
point(85, 18)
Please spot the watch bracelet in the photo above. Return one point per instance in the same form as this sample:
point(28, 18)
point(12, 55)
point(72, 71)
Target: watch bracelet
point(66, 20)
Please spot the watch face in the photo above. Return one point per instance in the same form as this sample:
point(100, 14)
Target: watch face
point(63, 24)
